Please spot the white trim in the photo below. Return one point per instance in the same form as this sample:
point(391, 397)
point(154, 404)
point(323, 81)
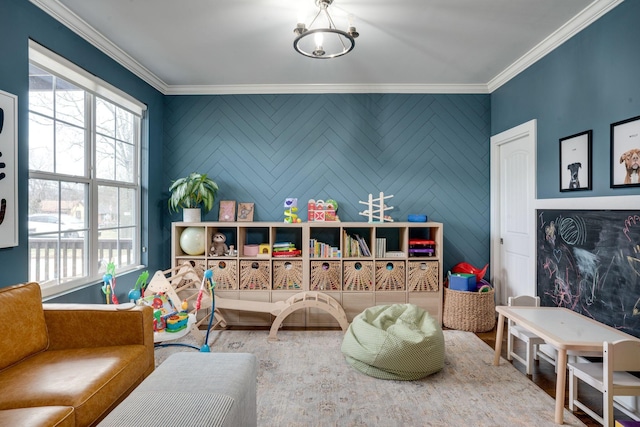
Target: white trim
point(64, 15)
point(586, 17)
point(56, 64)
point(526, 129)
point(595, 203)
point(55, 291)
point(325, 88)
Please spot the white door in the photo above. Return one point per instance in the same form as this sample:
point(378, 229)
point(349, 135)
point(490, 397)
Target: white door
point(513, 192)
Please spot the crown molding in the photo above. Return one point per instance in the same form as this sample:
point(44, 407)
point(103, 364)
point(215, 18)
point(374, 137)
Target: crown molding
point(324, 88)
point(586, 17)
point(64, 15)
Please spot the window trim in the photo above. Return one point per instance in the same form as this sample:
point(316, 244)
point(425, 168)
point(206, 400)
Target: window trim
point(56, 64)
point(63, 68)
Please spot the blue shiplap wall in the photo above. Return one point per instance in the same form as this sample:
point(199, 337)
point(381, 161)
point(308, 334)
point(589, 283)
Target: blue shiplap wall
point(430, 151)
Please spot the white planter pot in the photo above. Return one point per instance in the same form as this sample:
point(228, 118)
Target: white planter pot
point(191, 215)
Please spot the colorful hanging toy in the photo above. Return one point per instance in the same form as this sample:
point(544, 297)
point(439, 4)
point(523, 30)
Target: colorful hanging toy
point(208, 283)
point(109, 287)
point(138, 289)
point(207, 278)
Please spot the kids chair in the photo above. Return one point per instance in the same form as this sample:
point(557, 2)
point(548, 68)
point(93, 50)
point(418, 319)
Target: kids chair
point(609, 377)
point(529, 338)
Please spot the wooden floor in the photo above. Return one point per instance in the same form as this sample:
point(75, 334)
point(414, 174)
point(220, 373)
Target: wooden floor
point(544, 376)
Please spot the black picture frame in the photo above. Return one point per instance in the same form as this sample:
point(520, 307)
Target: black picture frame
point(625, 153)
point(575, 162)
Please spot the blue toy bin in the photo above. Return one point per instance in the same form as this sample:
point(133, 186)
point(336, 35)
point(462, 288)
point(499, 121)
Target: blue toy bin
point(462, 282)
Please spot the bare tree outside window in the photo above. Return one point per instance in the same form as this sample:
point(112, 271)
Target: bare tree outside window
point(83, 182)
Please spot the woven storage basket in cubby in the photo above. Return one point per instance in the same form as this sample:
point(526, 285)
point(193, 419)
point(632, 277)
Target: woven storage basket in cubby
point(255, 275)
point(423, 276)
point(390, 276)
point(469, 311)
point(325, 276)
point(358, 276)
point(287, 275)
point(225, 274)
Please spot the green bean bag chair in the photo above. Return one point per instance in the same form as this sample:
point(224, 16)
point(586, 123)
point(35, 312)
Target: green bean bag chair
point(394, 342)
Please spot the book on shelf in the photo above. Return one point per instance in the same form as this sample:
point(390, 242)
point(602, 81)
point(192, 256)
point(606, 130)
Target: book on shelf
point(381, 247)
point(364, 248)
point(318, 249)
point(355, 246)
point(394, 254)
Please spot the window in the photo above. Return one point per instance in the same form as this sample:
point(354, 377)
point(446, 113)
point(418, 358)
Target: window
point(84, 185)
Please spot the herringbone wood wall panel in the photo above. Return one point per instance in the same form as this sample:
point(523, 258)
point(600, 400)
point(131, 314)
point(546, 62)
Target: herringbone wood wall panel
point(430, 151)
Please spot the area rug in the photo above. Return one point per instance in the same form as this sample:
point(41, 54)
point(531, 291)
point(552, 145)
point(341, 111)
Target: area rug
point(303, 380)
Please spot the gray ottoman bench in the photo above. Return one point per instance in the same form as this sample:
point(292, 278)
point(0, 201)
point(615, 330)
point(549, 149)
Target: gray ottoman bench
point(193, 389)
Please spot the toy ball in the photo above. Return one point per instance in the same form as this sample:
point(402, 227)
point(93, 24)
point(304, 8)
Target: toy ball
point(208, 274)
point(107, 278)
point(192, 240)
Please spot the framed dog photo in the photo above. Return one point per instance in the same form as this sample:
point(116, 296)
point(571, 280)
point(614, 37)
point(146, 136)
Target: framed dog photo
point(575, 162)
point(625, 153)
point(245, 211)
point(227, 210)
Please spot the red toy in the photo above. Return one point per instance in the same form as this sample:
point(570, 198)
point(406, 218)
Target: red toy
point(465, 267)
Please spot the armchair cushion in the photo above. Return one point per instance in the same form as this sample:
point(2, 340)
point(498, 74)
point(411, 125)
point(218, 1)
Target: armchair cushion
point(24, 331)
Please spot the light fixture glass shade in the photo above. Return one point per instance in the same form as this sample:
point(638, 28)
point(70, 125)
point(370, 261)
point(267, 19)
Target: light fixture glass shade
point(323, 42)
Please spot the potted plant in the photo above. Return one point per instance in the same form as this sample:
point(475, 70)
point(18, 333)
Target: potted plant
point(192, 193)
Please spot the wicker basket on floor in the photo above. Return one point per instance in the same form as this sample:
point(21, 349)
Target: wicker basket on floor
point(469, 311)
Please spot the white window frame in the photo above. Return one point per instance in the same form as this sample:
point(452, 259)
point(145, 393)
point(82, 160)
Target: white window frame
point(63, 68)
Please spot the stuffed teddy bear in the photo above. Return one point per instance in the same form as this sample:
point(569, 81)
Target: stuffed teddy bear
point(219, 247)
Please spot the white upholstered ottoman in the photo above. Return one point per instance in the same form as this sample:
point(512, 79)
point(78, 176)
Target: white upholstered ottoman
point(193, 389)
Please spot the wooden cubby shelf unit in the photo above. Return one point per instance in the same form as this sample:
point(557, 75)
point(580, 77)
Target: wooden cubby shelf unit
point(330, 260)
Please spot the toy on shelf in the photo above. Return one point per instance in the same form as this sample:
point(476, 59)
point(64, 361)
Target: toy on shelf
point(377, 208)
point(109, 287)
point(290, 209)
point(219, 246)
point(320, 210)
point(285, 249)
point(138, 289)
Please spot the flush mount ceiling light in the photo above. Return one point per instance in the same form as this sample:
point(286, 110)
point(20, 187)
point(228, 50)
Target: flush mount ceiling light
point(324, 42)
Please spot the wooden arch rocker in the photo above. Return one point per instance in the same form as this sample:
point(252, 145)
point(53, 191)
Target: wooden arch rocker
point(182, 283)
point(310, 299)
point(282, 309)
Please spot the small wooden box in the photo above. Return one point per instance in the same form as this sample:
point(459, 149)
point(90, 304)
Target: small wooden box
point(287, 275)
point(358, 276)
point(325, 276)
point(255, 275)
point(423, 276)
point(390, 275)
point(225, 274)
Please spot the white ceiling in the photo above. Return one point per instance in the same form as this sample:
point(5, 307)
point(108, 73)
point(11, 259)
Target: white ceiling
point(405, 46)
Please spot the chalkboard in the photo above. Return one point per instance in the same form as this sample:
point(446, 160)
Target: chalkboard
point(589, 262)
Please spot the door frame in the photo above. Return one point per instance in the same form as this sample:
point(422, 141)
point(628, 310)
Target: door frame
point(526, 130)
